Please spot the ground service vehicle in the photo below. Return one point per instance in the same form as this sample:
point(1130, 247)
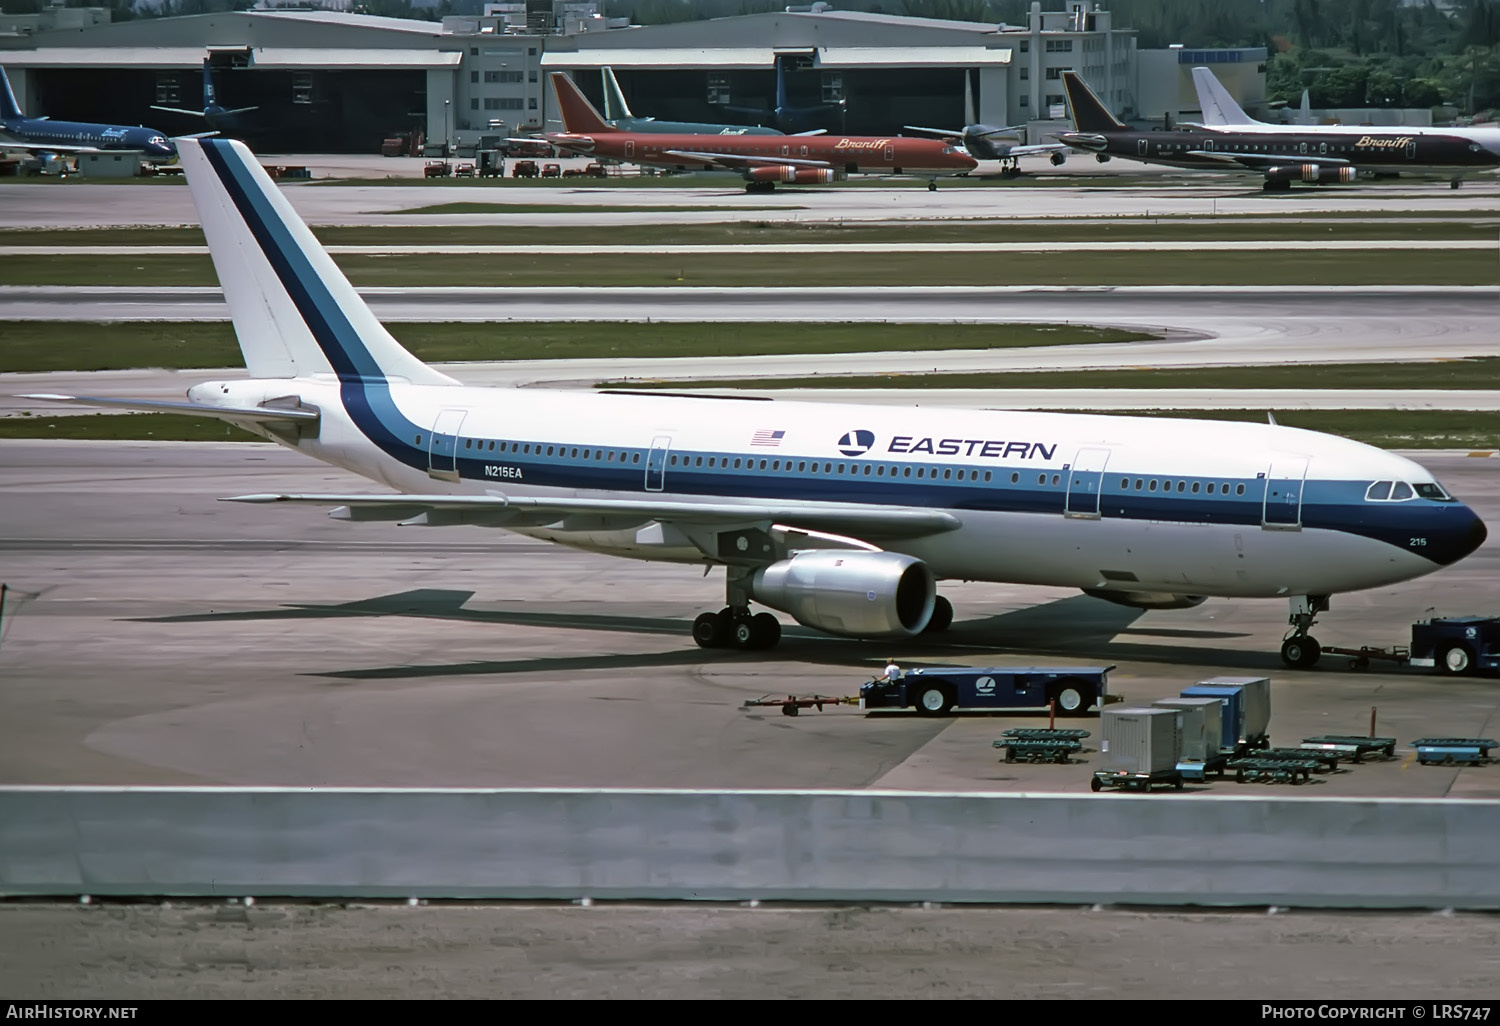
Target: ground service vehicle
point(934, 692)
point(1457, 645)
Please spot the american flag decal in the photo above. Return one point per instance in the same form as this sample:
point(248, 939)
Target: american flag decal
point(764, 437)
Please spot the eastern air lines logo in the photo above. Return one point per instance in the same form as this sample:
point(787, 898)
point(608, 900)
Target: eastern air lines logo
point(856, 443)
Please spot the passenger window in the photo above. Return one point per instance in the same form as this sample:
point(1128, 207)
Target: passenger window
point(762, 464)
point(699, 463)
point(1152, 486)
point(1181, 485)
point(1379, 491)
point(1239, 489)
point(1139, 484)
point(1041, 479)
point(1195, 487)
point(1055, 479)
point(1015, 479)
point(906, 472)
point(1401, 491)
point(1124, 482)
point(921, 471)
point(637, 458)
point(986, 475)
point(947, 473)
point(1210, 488)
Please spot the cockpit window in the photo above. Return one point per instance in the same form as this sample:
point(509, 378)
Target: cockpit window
point(1402, 490)
point(1379, 491)
point(1432, 490)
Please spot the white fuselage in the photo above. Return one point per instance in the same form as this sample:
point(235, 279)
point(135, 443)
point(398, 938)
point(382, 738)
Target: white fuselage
point(1085, 501)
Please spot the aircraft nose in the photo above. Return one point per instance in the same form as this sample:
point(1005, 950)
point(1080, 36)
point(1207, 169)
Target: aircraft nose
point(1463, 534)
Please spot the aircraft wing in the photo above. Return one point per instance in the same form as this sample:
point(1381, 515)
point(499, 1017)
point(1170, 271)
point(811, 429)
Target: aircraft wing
point(736, 162)
point(500, 509)
point(946, 133)
point(812, 131)
point(12, 144)
point(234, 414)
point(1037, 150)
point(1262, 161)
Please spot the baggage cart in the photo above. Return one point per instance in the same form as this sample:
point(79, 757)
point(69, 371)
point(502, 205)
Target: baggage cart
point(1445, 751)
point(1283, 771)
point(1325, 760)
point(1134, 781)
point(1350, 747)
point(1039, 749)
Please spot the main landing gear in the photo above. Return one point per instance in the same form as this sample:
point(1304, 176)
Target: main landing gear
point(932, 185)
point(1301, 650)
point(736, 628)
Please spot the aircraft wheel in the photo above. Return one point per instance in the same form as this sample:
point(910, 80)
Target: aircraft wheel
point(711, 630)
point(1072, 698)
point(942, 616)
point(767, 630)
point(932, 186)
point(1301, 652)
point(1454, 184)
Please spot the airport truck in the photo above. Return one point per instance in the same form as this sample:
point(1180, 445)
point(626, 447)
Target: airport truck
point(1457, 645)
point(1071, 690)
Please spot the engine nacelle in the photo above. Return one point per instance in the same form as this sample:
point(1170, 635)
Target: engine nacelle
point(1311, 173)
point(795, 175)
point(1147, 599)
point(1058, 159)
point(853, 593)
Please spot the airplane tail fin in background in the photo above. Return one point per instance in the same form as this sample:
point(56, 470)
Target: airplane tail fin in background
point(1089, 113)
point(578, 114)
point(615, 106)
point(294, 312)
point(1304, 113)
point(8, 106)
point(1219, 108)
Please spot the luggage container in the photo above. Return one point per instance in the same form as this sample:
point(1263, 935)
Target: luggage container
point(1140, 740)
point(1236, 739)
point(1257, 692)
point(1202, 729)
point(1140, 747)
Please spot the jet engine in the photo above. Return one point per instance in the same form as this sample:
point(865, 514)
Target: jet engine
point(1058, 158)
point(857, 594)
point(795, 175)
point(1146, 599)
point(1311, 173)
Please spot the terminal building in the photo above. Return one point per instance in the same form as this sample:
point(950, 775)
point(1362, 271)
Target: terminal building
point(330, 81)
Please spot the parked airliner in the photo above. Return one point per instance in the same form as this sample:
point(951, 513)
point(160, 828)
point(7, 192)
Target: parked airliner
point(845, 517)
point(43, 135)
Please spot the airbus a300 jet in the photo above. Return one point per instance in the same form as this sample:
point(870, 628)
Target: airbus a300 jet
point(845, 517)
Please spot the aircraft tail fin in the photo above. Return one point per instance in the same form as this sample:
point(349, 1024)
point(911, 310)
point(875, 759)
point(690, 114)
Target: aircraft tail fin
point(8, 106)
point(615, 107)
point(1089, 112)
point(1219, 108)
point(294, 313)
point(578, 114)
point(1304, 113)
point(209, 99)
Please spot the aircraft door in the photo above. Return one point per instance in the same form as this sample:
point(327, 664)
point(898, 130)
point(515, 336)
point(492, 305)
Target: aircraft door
point(1283, 502)
point(1085, 479)
point(1140, 147)
point(442, 447)
point(629, 148)
point(1411, 149)
point(656, 463)
point(890, 152)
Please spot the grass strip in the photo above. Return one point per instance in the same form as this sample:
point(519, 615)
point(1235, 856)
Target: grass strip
point(1417, 429)
point(1478, 372)
point(772, 232)
point(775, 270)
point(39, 346)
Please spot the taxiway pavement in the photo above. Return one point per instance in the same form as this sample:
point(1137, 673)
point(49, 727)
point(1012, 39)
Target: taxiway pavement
point(154, 635)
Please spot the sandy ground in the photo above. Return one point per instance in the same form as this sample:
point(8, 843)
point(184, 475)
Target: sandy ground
point(624, 951)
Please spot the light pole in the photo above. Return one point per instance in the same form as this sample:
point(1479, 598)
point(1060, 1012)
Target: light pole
point(447, 137)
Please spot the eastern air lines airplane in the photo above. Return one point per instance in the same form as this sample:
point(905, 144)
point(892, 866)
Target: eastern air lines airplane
point(845, 517)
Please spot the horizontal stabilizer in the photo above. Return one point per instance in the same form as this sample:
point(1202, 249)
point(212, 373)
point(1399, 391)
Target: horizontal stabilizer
point(736, 161)
point(863, 521)
point(259, 414)
point(179, 110)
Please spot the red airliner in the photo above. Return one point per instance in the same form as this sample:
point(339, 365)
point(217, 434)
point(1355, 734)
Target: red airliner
point(762, 160)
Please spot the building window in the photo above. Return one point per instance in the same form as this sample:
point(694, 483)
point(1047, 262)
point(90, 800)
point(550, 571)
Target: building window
point(502, 103)
point(531, 75)
point(302, 87)
point(473, 103)
point(502, 76)
point(1025, 46)
point(1054, 74)
point(718, 87)
point(473, 51)
point(473, 76)
point(531, 103)
point(166, 89)
point(1054, 99)
point(833, 86)
point(1059, 46)
point(1024, 101)
point(531, 51)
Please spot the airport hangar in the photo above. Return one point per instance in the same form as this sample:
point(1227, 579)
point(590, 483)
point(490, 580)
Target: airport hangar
point(325, 81)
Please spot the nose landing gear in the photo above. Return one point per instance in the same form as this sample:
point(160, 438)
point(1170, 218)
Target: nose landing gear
point(1300, 650)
